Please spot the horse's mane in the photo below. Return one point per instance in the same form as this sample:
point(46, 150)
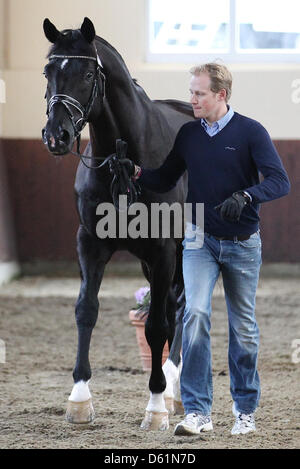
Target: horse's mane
point(109, 46)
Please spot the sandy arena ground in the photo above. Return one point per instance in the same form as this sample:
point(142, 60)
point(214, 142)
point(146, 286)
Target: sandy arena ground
point(38, 328)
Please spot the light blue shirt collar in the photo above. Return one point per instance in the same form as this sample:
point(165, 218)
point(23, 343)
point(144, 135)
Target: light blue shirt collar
point(218, 125)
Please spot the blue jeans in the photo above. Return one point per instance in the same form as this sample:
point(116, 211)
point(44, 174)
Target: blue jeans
point(239, 262)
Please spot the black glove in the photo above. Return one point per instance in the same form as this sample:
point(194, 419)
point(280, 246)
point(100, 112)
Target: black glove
point(231, 208)
point(115, 165)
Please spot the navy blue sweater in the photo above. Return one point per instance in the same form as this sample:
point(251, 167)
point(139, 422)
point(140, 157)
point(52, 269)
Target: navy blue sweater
point(220, 165)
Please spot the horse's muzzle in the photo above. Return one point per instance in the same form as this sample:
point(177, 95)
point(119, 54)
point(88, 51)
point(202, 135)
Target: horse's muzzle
point(57, 145)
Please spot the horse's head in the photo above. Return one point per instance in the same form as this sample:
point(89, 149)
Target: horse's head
point(75, 87)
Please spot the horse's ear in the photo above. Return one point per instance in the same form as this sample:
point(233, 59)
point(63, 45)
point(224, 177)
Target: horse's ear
point(87, 30)
point(50, 31)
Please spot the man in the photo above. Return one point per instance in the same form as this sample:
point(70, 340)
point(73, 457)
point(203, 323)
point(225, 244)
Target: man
point(223, 153)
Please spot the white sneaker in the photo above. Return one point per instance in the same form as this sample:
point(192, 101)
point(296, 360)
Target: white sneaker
point(193, 424)
point(244, 423)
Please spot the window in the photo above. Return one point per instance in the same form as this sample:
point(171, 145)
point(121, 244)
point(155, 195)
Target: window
point(233, 30)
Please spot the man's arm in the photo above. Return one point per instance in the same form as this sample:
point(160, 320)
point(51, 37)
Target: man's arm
point(276, 182)
point(164, 178)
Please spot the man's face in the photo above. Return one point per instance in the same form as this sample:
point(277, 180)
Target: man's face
point(206, 104)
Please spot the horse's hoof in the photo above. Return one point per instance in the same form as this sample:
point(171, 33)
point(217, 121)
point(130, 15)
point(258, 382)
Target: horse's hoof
point(155, 421)
point(80, 412)
point(178, 408)
point(169, 403)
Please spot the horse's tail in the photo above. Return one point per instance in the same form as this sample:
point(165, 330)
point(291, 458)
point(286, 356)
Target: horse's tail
point(178, 286)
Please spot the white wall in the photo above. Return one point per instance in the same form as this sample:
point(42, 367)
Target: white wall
point(259, 91)
point(2, 22)
point(2, 83)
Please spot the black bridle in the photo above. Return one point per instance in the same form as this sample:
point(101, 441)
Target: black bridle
point(70, 103)
point(121, 182)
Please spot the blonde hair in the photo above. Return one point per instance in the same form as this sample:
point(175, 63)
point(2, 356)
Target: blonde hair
point(220, 77)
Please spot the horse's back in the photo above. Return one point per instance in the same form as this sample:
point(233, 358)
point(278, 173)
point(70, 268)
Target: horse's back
point(176, 112)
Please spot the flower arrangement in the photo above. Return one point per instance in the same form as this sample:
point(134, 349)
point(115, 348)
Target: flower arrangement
point(138, 317)
point(142, 297)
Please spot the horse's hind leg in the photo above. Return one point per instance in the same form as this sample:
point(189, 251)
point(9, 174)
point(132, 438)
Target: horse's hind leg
point(156, 331)
point(172, 366)
point(92, 258)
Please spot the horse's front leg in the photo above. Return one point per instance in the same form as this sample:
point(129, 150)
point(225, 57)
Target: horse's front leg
point(157, 332)
point(93, 257)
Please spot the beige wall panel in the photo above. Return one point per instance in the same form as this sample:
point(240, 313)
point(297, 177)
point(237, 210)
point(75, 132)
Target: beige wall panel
point(2, 49)
point(121, 22)
point(24, 114)
point(24, 111)
point(253, 95)
point(263, 92)
point(2, 33)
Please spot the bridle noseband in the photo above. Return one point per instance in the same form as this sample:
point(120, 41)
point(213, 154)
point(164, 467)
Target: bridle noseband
point(71, 103)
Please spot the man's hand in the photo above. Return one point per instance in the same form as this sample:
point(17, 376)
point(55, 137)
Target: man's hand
point(231, 208)
point(127, 164)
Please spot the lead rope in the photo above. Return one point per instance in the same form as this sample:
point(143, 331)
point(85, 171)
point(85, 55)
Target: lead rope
point(122, 183)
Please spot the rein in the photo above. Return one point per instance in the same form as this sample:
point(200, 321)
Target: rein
point(121, 183)
point(82, 157)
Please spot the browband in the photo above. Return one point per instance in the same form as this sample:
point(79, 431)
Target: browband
point(96, 59)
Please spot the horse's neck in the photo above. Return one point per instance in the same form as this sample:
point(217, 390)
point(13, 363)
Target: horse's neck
point(119, 84)
point(103, 133)
point(129, 112)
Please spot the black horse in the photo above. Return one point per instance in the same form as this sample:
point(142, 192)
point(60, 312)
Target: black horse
point(88, 81)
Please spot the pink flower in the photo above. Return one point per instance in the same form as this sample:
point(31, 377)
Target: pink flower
point(140, 295)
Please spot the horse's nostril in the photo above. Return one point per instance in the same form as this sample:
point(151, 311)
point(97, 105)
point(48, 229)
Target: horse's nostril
point(64, 136)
